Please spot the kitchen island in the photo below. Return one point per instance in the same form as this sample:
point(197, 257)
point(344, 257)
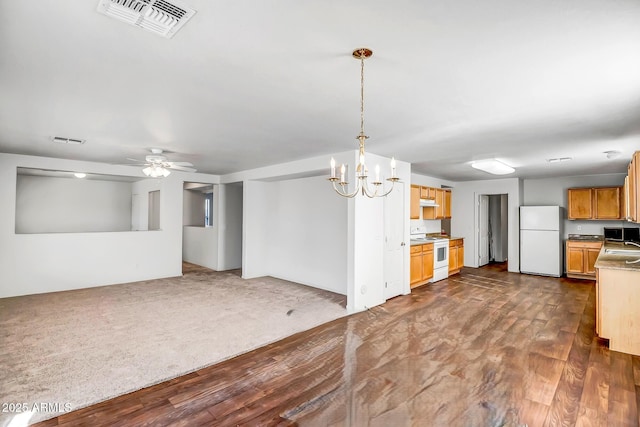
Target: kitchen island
point(618, 297)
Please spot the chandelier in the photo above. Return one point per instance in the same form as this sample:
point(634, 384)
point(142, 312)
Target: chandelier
point(362, 186)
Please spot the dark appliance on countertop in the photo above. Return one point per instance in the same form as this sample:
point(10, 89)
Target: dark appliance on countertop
point(622, 234)
point(612, 234)
point(630, 234)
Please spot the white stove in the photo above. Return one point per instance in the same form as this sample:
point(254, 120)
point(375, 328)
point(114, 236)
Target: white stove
point(440, 251)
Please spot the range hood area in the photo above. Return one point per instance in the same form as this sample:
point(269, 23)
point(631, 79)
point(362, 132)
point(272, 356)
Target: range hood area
point(428, 202)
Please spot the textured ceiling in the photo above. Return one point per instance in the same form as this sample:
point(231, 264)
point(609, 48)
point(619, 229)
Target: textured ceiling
point(249, 84)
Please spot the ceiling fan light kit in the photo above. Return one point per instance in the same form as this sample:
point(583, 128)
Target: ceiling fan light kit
point(156, 171)
point(156, 165)
point(362, 171)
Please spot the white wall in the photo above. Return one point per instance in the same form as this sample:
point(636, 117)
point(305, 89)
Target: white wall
point(229, 223)
point(553, 192)
point(37, 263)
point(193, 208)
point(464, 213)
point(359, 264)
point(200, 246)
point(140, 203)
point(68, 205)
point(307, 233)
point(255, 202)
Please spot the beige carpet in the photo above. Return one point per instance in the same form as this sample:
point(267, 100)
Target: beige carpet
point(80, 347)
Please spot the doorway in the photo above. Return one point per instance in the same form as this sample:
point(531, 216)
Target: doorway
point(493, 243)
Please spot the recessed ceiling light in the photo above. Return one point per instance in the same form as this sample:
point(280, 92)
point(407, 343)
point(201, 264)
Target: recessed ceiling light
point(493, 166)
point(559, 159)
point(80, 174)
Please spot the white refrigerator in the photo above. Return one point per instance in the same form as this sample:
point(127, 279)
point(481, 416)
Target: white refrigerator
point(541, 240)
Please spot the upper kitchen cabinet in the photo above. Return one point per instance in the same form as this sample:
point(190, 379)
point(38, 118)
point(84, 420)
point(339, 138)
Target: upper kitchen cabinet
point(442, 209)
point(595, 203)
point(607, 203)
point(447, 203)
point(631, 189)
point(440, 198)
point(415, 202)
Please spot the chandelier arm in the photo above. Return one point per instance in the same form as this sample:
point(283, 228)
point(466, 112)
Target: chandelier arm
point(344, 193)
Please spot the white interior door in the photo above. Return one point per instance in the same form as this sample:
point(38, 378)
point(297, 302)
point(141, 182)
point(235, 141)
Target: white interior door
point(394, 241)
point(483, 230)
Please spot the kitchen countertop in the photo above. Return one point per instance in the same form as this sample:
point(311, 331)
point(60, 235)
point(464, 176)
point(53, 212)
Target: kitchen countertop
point(437, 236)
point(618, 261)
point(586, 237)
point(420, 242)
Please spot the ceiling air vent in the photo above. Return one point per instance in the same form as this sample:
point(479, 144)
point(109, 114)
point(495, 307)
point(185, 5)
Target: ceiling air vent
point(61, 140)
point(160, 16)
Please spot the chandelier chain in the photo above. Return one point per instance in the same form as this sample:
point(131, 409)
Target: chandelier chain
point(361, 94)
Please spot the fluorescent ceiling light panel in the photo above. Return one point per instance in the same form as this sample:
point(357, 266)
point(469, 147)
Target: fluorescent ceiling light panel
point(559, 159)
point(493, 166)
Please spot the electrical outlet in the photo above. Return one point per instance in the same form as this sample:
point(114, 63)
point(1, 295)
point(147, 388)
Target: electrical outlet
point(579, 227)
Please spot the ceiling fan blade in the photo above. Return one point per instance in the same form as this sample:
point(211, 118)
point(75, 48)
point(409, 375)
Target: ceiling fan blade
point(135, 160)
point(187, 164)
point(181, 168)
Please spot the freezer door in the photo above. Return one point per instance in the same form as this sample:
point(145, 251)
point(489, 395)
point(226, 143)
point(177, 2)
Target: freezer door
point(540, 252)
point(540, 217)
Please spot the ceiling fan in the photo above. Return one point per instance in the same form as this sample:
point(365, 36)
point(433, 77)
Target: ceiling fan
point(157, 164)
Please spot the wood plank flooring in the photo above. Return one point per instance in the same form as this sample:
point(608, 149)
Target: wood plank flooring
point(482, 348)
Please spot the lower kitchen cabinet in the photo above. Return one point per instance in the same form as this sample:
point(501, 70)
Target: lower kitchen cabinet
point(421, 264)
point(581, 259)
point(456, 255)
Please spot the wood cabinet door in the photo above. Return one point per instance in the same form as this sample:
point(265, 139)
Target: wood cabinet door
point(598, 309)
point(625, 198)
point(440, 203)
point(633, 187)
point(447, 203)
point(416, 268)
point(460, 256)
point(607, 203)
point(580, 203)
point(424, 192)
point(575, 259)
point(415, 202)
point(427, 264)
point(428, 212)
point(591, 255)
point(453, 258)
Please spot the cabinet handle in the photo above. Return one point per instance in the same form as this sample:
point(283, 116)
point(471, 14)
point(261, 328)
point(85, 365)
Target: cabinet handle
point(402, 244)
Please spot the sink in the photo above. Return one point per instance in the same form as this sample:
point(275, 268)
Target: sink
point(629, 252)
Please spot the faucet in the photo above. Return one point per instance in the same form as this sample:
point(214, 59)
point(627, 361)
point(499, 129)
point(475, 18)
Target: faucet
point(634, 244)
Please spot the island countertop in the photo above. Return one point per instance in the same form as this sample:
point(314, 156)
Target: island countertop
point(618, 261)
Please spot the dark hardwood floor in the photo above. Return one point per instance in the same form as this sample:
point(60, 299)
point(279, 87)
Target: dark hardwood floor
point(482, 348)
